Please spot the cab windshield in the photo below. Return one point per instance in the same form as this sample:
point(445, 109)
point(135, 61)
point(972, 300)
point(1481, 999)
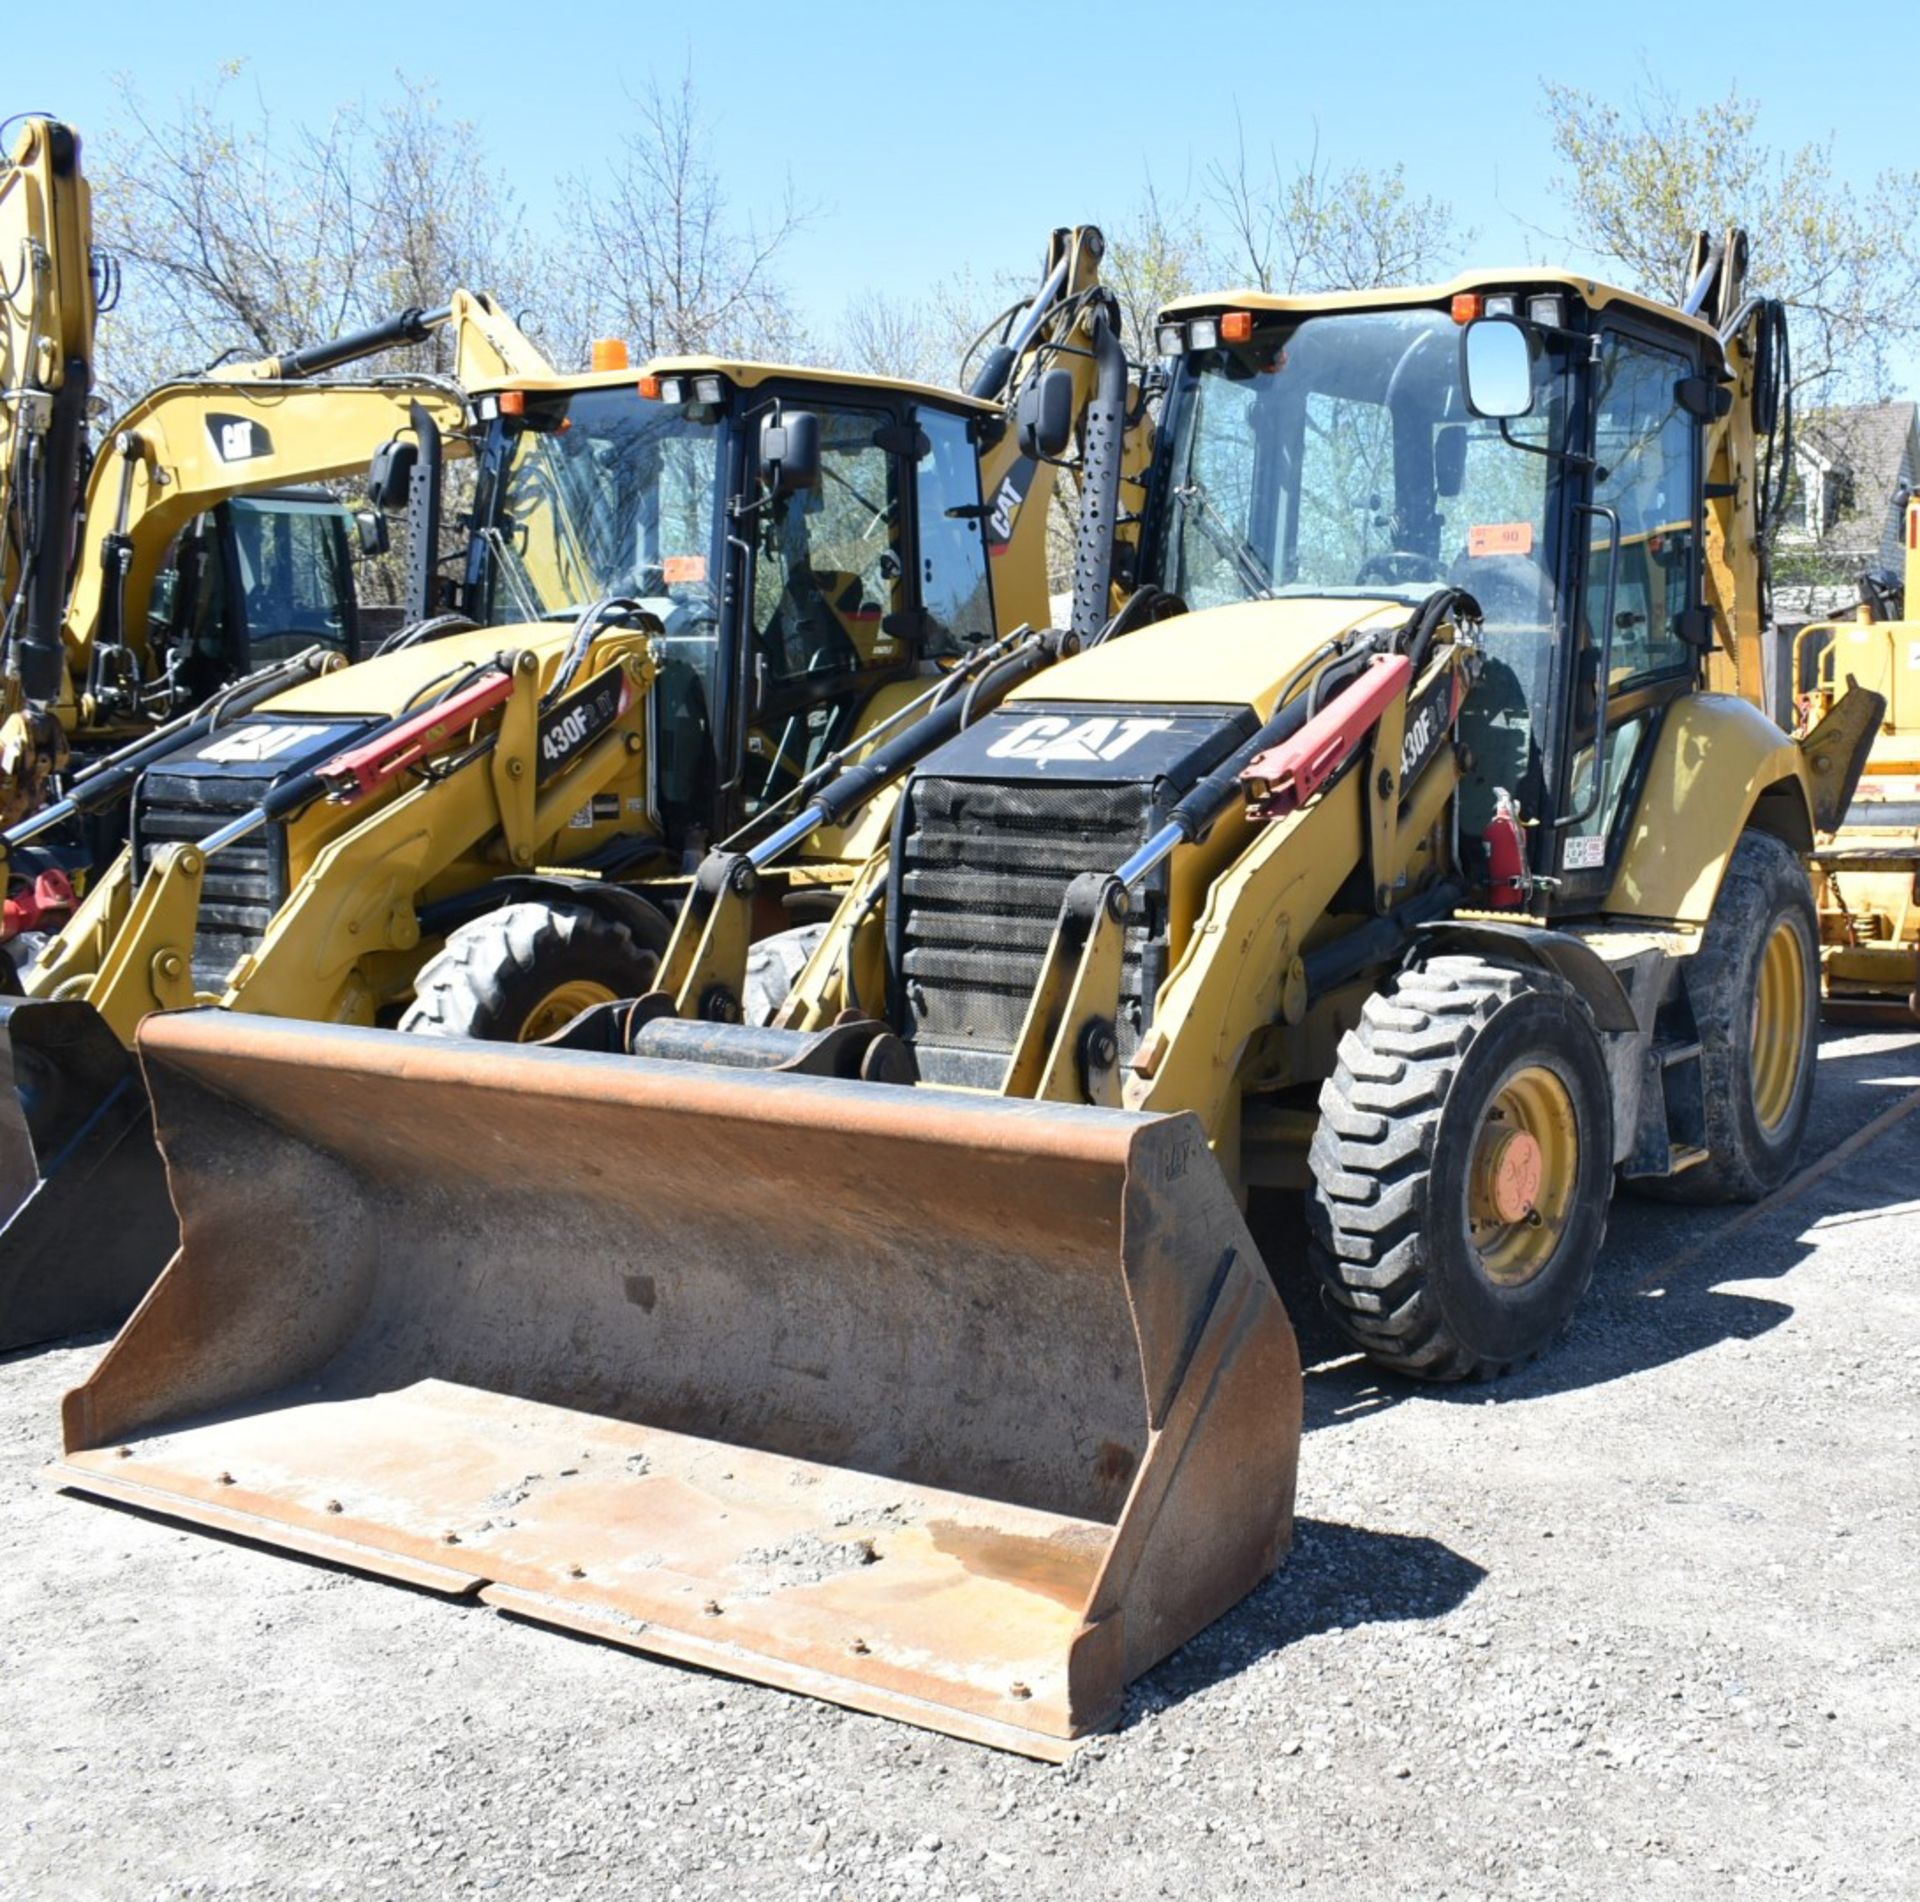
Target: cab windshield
point(1336, 456)
point(604, 492)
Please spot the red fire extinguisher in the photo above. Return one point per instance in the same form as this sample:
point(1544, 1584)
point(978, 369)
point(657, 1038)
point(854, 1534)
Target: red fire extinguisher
point(1506, 855)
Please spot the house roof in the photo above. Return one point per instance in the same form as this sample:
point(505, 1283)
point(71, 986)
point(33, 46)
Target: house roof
point(1877, 447)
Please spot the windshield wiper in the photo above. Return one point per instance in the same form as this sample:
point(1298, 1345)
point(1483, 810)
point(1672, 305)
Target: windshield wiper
point(1235, 547)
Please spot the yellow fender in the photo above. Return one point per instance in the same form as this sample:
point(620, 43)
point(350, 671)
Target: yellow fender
point(1719, 766)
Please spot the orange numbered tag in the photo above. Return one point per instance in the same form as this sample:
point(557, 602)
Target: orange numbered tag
point(675, 569)
point(1500, 538)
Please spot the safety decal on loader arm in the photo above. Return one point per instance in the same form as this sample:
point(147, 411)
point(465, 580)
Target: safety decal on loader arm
point(1836, 752)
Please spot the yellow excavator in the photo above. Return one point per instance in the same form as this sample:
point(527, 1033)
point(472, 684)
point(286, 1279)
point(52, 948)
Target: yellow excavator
point(1867, 872)
point(691, 593)
point(190, 550)
point(912, 1351)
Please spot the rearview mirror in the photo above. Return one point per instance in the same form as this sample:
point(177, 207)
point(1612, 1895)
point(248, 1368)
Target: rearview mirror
point(389, 474)
point(1496, 368)
point(790, 451)
point(1043, 417)
point(371, 527)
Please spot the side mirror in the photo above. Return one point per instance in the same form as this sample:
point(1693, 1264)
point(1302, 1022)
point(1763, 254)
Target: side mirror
point(1450, 459)
point(1496, 368)
point(1043, 417)
point(390, 473)
point(790, 452)
point(371, 528)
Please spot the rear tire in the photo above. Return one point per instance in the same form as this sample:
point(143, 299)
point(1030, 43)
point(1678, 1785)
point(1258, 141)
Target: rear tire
point(524, 971)
point(773, 967)
point(1462, 1168)
point(1754, 986)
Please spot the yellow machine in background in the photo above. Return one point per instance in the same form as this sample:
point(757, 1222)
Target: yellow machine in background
point(47, 318)
point(912, 1351)
point(1867, 870)
point(690, 594)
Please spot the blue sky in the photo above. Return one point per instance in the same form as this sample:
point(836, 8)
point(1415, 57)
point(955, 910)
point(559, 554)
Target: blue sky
point(936, 137)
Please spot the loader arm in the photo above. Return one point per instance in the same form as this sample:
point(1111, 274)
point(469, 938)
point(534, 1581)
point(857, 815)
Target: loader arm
point(349, 929)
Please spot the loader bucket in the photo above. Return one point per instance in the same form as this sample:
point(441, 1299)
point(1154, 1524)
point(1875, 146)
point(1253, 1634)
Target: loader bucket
point(958, 1410)
point(85, 1223)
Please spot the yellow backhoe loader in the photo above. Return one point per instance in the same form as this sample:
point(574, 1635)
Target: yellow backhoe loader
point(912, 1351)
point(701, 587)
point(1867, 872)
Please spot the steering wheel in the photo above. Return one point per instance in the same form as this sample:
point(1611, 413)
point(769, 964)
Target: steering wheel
point(1399, 565)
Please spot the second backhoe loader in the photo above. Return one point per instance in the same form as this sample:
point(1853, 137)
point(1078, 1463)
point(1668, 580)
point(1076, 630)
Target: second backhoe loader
point(1867, 869)
point(912, 1351)
point(700, 587)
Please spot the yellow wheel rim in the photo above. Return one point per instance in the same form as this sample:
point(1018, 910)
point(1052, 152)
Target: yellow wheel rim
point(1523, 1176)
point(561, 1006)
point(1779, 1025)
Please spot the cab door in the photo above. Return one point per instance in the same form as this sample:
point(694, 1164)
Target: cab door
point(1639, 600)
point(825, 603)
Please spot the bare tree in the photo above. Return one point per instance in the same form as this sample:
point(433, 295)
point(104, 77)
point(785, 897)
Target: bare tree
point(1639, 180)
point(240, 236)
point(1304, 226)
point(931, 336)
point(662, 254)
point(1160, 251)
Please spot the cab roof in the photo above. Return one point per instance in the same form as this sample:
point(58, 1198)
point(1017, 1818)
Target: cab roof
point(748, 376)
point(1517, 277)
point(742, 375)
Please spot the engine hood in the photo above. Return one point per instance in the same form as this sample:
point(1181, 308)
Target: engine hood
point(380, 686)
point(1242, 655)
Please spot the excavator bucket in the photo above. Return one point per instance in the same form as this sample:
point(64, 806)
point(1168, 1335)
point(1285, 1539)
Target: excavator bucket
point(958, 1410)
point(86, 1223)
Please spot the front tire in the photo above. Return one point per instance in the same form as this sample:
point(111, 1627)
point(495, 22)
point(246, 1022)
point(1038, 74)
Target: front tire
point(1462, 1168)
point(522, 972)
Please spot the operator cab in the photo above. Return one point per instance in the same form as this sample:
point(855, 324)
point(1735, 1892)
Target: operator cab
point(1536, 441)
point(801, 541)
point(256, 579)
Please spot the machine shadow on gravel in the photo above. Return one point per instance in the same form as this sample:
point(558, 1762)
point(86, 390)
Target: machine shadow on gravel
point(1657, 1295)
point(1337, 1576)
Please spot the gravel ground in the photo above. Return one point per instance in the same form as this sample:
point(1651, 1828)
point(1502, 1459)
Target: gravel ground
point(1638, 1620)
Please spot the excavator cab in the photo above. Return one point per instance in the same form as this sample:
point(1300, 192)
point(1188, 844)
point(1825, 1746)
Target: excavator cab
point(257, 579)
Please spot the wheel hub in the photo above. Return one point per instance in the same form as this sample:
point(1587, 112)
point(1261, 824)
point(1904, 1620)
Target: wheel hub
point(1512, 1164)
point(1778, 1040)
point(1524, 1175)
point(561, 1006)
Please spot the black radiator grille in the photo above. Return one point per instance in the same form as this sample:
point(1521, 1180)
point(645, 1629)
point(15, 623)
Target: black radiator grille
point(245, 882)
point(984, 868)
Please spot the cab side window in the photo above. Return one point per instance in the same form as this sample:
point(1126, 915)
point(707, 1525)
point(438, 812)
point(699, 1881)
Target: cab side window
point(1647, 449)
point(955, 591)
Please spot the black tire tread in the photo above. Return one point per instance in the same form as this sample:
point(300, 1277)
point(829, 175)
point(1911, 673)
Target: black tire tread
point(468, 981)
point(1762, 871)
point(1379, 1119)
